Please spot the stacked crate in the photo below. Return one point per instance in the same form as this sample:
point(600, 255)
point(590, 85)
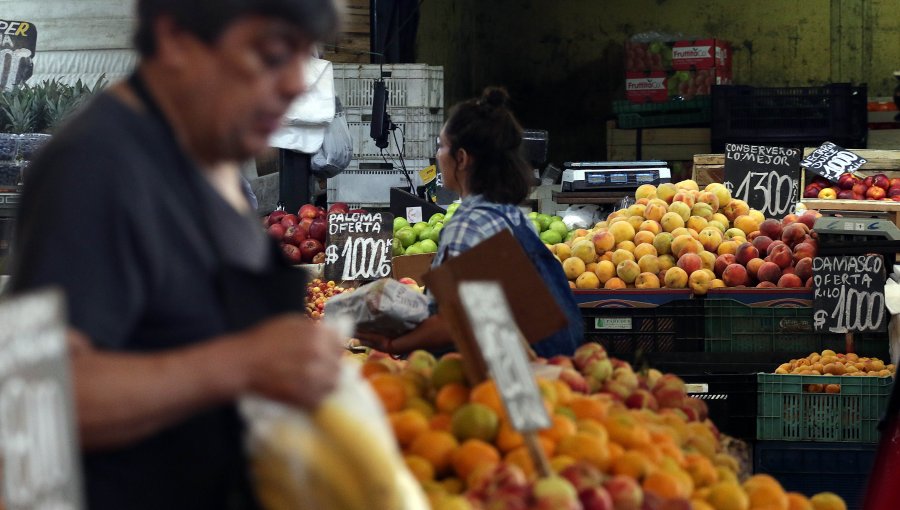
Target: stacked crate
point(415, 104)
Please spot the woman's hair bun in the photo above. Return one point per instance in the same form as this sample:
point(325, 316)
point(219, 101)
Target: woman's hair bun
point(496, 97)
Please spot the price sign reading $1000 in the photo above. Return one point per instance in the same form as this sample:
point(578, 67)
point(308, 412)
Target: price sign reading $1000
point(358, 246)
point(764, 177)
point(848, 293)
point(38, 444)
point(501, 346)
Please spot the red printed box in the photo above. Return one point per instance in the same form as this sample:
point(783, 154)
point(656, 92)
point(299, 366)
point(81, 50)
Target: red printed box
point(661, 86)
point(677, 55)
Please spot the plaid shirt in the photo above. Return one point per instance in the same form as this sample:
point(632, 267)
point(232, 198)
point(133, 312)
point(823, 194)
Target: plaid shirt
point(470, 226)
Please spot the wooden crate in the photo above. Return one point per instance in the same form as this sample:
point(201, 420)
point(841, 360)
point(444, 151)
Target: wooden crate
point(877, 161)
point(708, 168)
point(666, 144)
point(353, 44)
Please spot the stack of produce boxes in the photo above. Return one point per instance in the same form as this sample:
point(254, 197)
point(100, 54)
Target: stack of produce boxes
point(660, 71)
point(416, 106)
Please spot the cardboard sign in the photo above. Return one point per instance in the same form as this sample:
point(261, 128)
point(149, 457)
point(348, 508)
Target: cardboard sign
point(41, 467)
point(501, 345)
point(358, 246)
point(764, 177)
point(831, 161)
point(849, 294)
point(18, 40)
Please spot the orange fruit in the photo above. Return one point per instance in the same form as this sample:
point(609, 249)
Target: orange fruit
point(507, 438)
point(561, 427)
point(436, 447)
point(587, 447)
point(797, 501)
point(728, 496)
point(521, 459)
point(701, 469)
point(564, 393)
point(827, 501)
point(453, 485)
point(664, 485)
point(420, 468)
point(407, 424)
point(472, 454)
point(615, 451)
point(486, 393)
point(421, 405)
point(440, 422)
point(561, 462)
point(391, 390)
point(370, 368)
point(633, 464)
point(588, 408)
point(475, 421)
point(765, 492)
point(450, 397)
point(593, 428)
point(626, 431)
point(548, 445)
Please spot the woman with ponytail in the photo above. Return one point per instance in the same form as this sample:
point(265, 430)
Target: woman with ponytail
point(479, 155)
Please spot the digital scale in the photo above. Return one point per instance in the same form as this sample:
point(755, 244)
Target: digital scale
point(857, 233)
point(613, 175)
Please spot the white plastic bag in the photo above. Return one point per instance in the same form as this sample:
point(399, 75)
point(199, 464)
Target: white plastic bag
point(342, 457)
point(306, 121)
point(580, 216)
point(337, 147)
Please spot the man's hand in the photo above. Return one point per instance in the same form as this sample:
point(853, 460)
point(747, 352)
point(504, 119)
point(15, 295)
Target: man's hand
point(377, 342)
point(293, 360)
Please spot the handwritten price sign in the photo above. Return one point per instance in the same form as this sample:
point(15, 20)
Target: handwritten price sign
point(831, 161)
point(358, 246)
point(764, 177)
point(849, 294)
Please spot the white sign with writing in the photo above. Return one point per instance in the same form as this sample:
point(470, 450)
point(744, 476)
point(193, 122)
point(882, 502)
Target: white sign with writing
point(832, 161)
point(41, 469)
point(500, 342)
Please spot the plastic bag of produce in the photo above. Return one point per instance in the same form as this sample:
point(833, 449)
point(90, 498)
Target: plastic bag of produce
point(341, 457)
point(386, 307)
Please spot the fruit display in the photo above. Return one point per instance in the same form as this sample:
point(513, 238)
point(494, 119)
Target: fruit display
point(853, 187)
point(676, 236)
point(619, 440)
point(318, 292)
point(302, 235)
point(423, 237)
point(835, 364)
point(550, 229)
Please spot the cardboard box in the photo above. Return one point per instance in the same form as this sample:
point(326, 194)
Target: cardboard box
point(412, 266)
point(683, 55)
point(661, 86)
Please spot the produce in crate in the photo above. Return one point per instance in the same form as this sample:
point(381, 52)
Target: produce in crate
point(619, 439)
point(318, 292)
point(302, 235)
point(853, 187)
point(682, 237)
point(836, 364)
point(423, 237)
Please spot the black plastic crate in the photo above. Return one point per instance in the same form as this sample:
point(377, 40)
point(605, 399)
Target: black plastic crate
point(795, 116)
point(632, 333)
point(810, 468)
point(731, 399)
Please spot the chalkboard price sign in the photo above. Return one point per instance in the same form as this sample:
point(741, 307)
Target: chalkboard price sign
point(849, 294)
point(37, 433)
point(764, 177)
point(831, 161)
point(358, 246)
point(18, 40)
point(501, 346)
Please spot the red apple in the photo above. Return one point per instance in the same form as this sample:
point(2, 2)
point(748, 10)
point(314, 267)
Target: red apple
point(846, 181)
point(893, 191)
point(625, 491)
point(811, 192)
point(869, 181)
point(294, 235)
point(289, 220)
point(857, 196)
point(582, 475)
point(882, 181)
point(292, 253)
point(895, 182)
point(860, 188)
point(338, 208)
point(845, 194)
point(276, 230)
point(320, 213)
point(875, 193)
point(595, 498)
point(275, 217)
point(318, 228)
point(896, 198)
point(309, 248)
point(308, 211)
point(808, 218)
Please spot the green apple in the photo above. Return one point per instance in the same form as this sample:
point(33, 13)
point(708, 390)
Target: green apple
point(436, 233)
point(428, 246)
point(425, 233)
point(544, 220)
point(551, 237)
point(436, 218)
point(419, 227)
point(447, 217)
point(397, 247)
point(400, 222)
point(452, 208)
point(559, 227)
point(414, 250)
point(555, 218)
point(533, 215)
point(537, 225)
point(407, 236)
